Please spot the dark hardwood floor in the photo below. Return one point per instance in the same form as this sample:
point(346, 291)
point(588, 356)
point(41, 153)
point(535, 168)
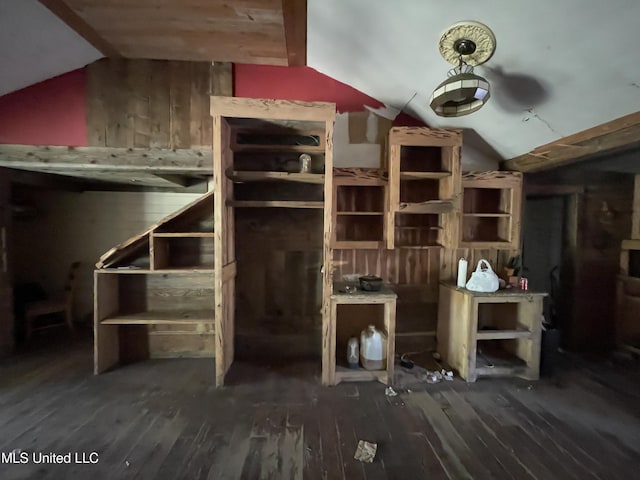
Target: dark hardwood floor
point(163, 419)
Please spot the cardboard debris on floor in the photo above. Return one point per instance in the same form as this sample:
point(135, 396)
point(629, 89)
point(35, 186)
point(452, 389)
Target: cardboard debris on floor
point(366, 451)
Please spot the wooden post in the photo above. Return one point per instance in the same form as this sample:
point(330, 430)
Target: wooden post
point(6, 287)
point(635, 214)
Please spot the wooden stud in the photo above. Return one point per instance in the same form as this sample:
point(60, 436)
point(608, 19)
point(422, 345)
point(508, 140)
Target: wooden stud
point(635, 213)
point(105, 339)
point(327, 255)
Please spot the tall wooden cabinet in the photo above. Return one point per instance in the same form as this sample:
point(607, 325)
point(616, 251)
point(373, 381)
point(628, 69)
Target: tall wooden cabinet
point(271, 155)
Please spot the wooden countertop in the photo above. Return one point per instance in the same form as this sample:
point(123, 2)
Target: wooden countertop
point(384, 293)
point(507, 292)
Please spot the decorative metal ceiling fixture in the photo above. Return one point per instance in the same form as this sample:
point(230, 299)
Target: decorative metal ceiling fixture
point(464, 44)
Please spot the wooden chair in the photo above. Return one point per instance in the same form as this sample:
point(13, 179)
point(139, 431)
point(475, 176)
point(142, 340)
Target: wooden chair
point(48, 307)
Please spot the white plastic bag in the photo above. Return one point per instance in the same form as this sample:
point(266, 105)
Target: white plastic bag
point(483, 279)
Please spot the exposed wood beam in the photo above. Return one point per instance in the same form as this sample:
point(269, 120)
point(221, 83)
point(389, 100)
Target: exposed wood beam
point(295, 31)
point(607, 137)
point(152, 160)
point(222, 79)
point(82, 28)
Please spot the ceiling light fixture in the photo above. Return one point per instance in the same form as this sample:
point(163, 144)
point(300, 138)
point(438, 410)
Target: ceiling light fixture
point(464, 44)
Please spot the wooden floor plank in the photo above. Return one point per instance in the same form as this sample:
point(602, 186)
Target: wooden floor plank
point(163, 419)
point(459, 460)
point(499, 461)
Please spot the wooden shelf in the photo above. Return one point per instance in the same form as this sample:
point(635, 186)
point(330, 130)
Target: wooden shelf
point(357, 244)
point(499, 363)
point(165, 317)
point(487, 215)
point(424, 175)
point(495, 243)
point(344, 374)
point(431, 333)
point(502, 371)
point(503, 334)
point(629, 279)
point(419, 247)
point(258, 176)
point(183, 234)
point(146, 271)
point(274, 204)
point(359, 213)
point(432, 206)
point(246, 147)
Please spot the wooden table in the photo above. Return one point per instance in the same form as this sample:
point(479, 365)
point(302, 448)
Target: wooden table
point(490, 334)
point(333, 374)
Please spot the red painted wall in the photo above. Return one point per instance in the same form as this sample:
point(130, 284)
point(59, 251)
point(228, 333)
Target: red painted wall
point(297, 83)
point(52, 112)
point(305, 84)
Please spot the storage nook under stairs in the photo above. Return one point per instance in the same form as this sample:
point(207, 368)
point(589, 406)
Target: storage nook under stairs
point(154, 292)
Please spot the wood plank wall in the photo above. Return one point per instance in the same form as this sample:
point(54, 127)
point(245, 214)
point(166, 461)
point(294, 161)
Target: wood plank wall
point(604, 220)
point(70, 226)
point(279, 282)
point(597, 219)
point(149, 103)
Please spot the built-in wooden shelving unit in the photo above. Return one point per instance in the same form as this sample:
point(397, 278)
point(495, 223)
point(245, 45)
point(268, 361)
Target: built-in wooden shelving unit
point(154, 292)
point(359, 208)
point(424, 187)
point(491, 210)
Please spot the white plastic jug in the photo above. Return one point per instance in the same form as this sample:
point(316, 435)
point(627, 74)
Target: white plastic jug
point(373, 348)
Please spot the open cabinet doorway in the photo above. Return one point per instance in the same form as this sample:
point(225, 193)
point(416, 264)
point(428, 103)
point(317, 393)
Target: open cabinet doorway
point(549, 242)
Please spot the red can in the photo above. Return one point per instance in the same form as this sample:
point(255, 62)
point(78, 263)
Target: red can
point(524, 283)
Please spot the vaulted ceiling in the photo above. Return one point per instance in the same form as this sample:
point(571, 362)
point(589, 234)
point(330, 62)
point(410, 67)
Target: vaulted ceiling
point(559, 68)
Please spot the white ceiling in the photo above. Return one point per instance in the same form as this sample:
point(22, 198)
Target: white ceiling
point(35, 45)
point(560, 66)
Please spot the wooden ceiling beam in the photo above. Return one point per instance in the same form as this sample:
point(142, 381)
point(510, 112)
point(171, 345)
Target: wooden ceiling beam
point(608, 137)
point(151, 160)
point(295, 31)
point(61, 10)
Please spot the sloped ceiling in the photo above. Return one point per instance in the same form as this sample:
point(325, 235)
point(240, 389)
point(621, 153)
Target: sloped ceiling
point(560, 66)
point(35, 45)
